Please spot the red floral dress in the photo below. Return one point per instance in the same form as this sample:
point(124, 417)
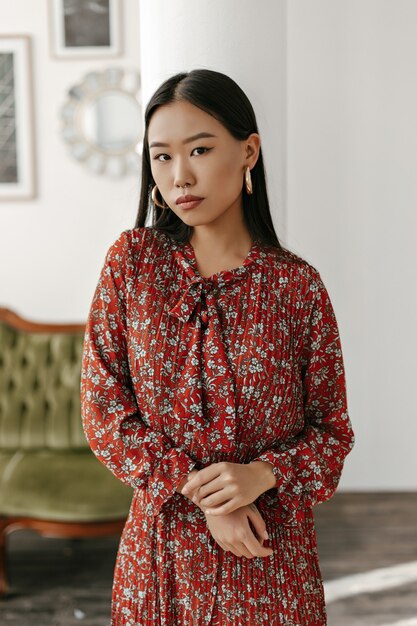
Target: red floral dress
point(180, 371)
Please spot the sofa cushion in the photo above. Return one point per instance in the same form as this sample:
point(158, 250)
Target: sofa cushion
point(70, 486)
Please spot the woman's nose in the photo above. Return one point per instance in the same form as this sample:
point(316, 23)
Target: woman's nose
point(182, 175)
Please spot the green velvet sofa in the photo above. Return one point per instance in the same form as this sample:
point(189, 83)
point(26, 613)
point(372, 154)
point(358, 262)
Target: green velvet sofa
point(50, 480)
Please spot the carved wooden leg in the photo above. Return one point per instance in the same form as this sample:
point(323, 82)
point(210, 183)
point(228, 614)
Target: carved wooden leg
point(4, 586)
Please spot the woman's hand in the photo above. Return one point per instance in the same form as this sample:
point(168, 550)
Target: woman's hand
point(221, 488)
point(233, 533)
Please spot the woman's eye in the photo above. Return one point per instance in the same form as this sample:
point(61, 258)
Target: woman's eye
point(202, 148)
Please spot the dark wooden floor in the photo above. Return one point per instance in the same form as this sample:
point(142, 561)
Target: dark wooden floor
point(358, 533)
point(57, 582)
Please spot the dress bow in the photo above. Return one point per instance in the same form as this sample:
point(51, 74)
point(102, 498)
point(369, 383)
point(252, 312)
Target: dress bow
point(184, 301)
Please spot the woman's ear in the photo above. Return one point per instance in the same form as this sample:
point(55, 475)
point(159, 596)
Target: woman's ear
point(252, 148)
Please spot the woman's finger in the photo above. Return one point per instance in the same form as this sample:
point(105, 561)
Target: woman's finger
point(214, 499)
point(213, 486)
point(224, 509)
point(241, 547)
point(231, 548)
point(222, 545)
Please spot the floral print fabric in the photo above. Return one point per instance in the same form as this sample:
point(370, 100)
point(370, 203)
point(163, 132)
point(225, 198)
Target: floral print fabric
point(180, 371)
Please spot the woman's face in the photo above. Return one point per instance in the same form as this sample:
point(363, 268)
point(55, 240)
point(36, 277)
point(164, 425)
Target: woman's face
point(212, 167)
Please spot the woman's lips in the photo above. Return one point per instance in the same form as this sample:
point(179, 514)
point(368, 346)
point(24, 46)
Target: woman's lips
point(190, 205)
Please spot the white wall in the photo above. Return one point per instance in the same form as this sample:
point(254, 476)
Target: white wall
point(47, 243)
point(351, 210)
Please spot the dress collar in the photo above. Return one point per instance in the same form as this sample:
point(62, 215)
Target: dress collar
point(185, 254)
point(197, 288)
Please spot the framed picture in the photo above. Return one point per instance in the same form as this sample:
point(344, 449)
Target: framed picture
point(85, 29)
point(17, 133)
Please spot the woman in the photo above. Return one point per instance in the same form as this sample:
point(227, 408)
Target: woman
point(213, 380)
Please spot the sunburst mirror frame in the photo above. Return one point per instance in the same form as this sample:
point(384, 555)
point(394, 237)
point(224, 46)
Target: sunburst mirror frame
point(114, 162)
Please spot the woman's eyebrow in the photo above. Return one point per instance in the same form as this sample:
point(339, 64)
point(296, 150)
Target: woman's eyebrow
point(159, 144)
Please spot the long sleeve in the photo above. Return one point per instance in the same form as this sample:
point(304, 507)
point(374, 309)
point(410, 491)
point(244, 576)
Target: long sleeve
point(308, 466)
point(136, 454)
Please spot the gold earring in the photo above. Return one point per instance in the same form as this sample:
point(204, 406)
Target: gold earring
point(155, 199)
point(248, 181)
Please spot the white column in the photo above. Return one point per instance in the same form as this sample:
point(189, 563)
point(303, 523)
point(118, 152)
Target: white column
point(352, 198)
point(241, 38)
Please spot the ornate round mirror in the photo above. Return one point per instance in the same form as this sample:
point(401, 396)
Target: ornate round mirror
point(102, 122)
